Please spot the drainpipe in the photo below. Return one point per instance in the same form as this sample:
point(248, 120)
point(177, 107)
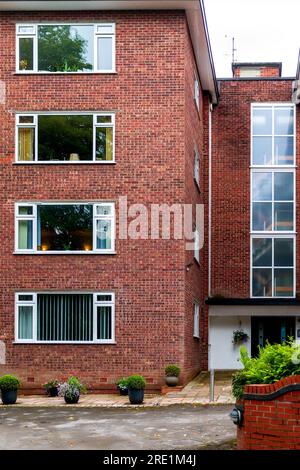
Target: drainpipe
point(209, 192)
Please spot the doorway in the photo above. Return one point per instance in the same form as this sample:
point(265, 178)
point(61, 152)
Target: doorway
point(271, 329)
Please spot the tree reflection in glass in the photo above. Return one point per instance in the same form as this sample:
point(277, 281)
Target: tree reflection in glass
point(65, 227)
point(65, 48)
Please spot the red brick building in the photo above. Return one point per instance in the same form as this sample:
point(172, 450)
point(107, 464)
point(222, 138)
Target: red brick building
point(99, 104)
point(254, 287)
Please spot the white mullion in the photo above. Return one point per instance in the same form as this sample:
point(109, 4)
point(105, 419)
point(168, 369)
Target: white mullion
point(94, 136)
point(34, 318)
point(273, 138)
point(36, 124)
point(95, 317)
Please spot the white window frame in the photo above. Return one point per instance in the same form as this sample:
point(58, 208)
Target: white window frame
point(273, 106)
point(100, 30)
point(96, 303)
point(34, 205)
point(34, 125)
point(196, 333)
point(197, 167)
point(273, 172)
point(272, 267)
point(197, 91)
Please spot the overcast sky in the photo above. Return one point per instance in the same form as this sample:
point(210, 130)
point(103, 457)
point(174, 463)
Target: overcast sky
point(264, 30)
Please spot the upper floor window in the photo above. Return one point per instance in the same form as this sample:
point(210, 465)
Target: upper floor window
point(197, 245)
point(196, 167)
point(197, 92)
point(66, 47)
point(273, 135)
point(272, 200)
point(65, 138)
point(65, 228)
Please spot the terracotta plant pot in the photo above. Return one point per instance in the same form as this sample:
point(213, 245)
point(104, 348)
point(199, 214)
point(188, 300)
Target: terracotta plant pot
point(171, 381)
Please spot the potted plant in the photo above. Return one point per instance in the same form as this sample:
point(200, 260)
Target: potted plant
point(136, 385)
point(51, 388)
point(122, 386)
point(71, 390)
point(9, 385)
point(172, 372)
point(239, 336)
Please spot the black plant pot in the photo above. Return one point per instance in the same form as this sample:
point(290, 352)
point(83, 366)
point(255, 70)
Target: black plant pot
point(71, 400)
point(123, 391)
point(53, 392)
point(136, 397)
point(9, 397)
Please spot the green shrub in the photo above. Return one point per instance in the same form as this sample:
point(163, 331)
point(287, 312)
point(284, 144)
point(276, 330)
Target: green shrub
point(172, 370)
point(136, 382)
point(9, 382)
point(122, 383)
point(274, 362)
point(74, 383)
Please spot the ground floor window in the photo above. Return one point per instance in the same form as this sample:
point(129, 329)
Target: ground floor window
point(65, 317)
point(196, 320)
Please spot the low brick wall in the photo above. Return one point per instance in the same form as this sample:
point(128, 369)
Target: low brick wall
point(271, 416)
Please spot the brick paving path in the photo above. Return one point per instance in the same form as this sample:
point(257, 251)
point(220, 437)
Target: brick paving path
point(194, 393)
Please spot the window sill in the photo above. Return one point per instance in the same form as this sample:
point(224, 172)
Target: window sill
point(98, 72)
point(64, 253)
point(197, 262)
point(75, 343)
point(196, 337)
point(66, 162)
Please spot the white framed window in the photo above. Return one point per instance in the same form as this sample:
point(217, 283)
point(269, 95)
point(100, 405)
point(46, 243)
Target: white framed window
point(65, 138)
point(196, 167)
point(272, 134)
point(65, 228)
point(272, 266)
point(197, 92)
point(196, 320)
point(197, 245)
point(65, 48)
point(65, 317)
point(273, 200)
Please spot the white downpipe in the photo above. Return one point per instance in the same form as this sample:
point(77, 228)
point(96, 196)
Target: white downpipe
point(209, 192)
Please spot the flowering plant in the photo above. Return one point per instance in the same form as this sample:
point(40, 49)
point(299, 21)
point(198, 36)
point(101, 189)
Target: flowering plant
point(68, 390)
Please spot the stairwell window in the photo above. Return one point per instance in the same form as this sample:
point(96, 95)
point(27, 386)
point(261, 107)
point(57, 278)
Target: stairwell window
point(65, 317)
point(273, 266)
point(273, 135)
point(65, 138)
point(197, 92)
point(63, 228)
point(65, 48)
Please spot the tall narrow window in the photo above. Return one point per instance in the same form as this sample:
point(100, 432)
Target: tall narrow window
point(273, 201)
point(196, 167)
point(197, 92)
point(196, 320)
point(197, 245)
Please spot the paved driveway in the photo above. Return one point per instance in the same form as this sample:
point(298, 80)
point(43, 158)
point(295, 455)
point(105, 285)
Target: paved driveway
point(176, 427)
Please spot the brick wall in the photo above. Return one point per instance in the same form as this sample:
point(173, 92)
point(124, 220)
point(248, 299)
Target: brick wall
point(196, 275)
point(148, 95)
point(231, 180)
point(264, 71)
point(271, 416)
